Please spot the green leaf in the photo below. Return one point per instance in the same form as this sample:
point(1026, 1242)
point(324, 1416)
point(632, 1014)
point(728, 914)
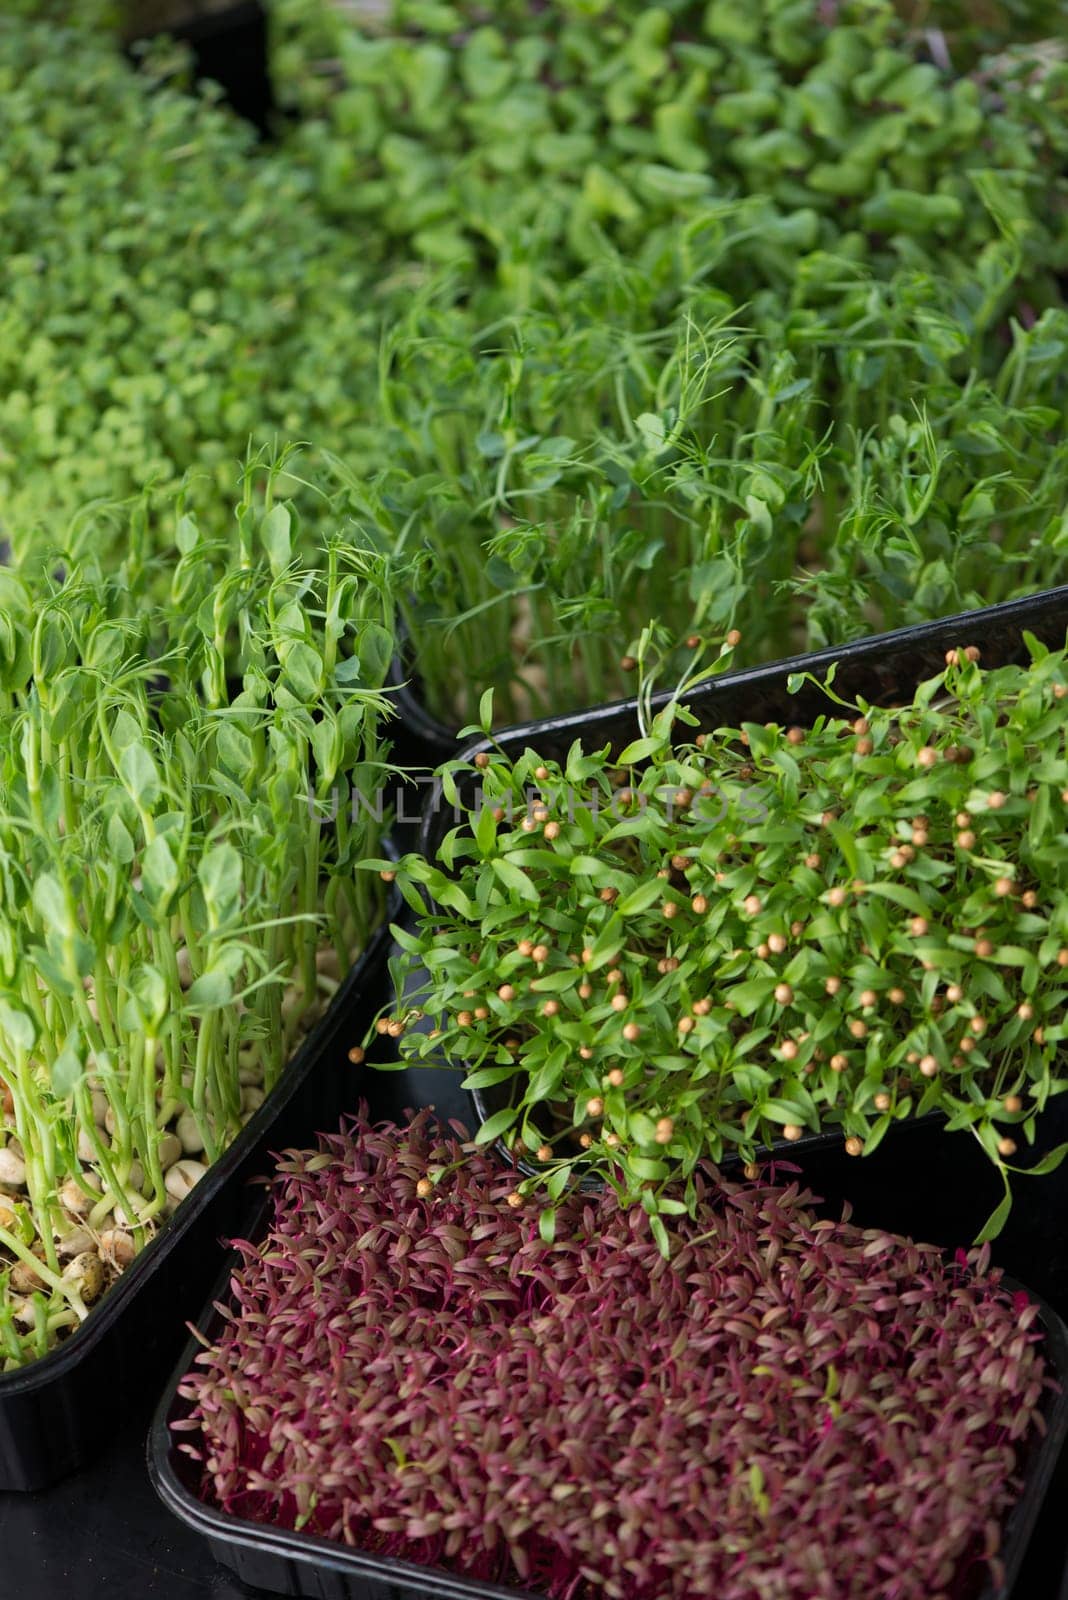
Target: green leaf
point(639, 750)
point(17, 1027)
point(374, 646)
point(652, 430)
point(640, 899)
point(495, 1126)
point(152, 993)
point(660, 1234)
point(186, 535)
point(67, 1073)
point(140, 775)
point(159, 871)
point(275, 533)
point(120, 843)
point(219, 873)
point(557, 1182)
point(211, 991)
point(515, 880)
point(1049, 1163)
point(304, 670)
point(586, 866)
point(646, 1169)
point(902, 895)
point(547, 1224)
point(996, 1220)
point(50, 904)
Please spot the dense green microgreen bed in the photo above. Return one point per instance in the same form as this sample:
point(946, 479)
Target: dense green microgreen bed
point(892, 452)
point(179, 829)
point(496, 137)
point(696, 945)
point(168, 291)
point(759, 324)
point(736, 317)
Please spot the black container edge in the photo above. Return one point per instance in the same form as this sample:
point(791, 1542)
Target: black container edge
point(874, 669)
point(782, 1151)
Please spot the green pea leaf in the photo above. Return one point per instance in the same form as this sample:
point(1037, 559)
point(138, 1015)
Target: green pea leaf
point(140, 775)
point(17, 1028)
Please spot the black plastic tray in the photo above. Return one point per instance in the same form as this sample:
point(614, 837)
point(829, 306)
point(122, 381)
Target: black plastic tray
point(920, 1180)
point(56, 1413)
point(322, 1569)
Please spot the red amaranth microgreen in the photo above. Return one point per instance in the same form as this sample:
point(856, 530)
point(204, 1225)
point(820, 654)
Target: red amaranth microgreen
point(696, 946)
point(421, 1375)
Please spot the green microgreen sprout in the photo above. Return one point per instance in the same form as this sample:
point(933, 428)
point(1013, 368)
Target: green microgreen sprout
point(184, 793)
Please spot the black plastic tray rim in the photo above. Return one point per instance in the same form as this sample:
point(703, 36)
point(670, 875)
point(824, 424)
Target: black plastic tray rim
point(1045, 609)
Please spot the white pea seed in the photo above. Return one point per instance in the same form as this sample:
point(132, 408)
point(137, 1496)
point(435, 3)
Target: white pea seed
point(110, 1120)
point(136, 1179)
point(117, 1247)
point(23, 1312)
point(74, 1242)
point(184, 962)
point(183, 1177)
point(248, 1077)
point(24, 1279)
point(73, 1198)
point(86, 1147)
point(87, 1271)
point(252, 1099)
point(12, 1168)
point(189, 1135)
point(170, 1150)
point(100, 1108)
point(327, 961)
